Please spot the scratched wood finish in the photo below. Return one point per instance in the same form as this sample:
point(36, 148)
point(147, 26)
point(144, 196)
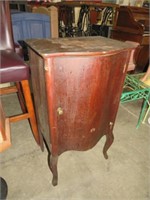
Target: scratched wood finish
point(77, 83)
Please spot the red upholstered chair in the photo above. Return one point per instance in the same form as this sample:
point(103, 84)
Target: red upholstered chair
point(13, 69)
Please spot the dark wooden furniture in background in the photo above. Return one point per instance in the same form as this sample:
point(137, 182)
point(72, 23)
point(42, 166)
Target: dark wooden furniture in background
point(78, 18)
point(77, 83)
point(132, 23)
point(18, 5)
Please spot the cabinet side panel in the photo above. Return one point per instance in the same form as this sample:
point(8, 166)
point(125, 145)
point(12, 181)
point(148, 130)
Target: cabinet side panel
point(38, 86)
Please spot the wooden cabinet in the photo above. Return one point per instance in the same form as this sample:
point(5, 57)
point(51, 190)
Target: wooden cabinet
point(77, 83)
point(135, 28)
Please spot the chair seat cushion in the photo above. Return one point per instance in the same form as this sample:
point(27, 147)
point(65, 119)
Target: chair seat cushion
point(13, 68)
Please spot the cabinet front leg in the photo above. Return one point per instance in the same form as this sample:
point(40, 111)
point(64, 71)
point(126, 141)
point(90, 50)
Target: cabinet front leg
point(108, 143)
point(52, 162)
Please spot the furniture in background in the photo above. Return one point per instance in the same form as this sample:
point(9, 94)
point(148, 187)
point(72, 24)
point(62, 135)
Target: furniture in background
point(134, 89)
point(76, 18)
point(52, 12)
point(14, 70)
point(77, 84)
point(132, 23)
point(18, 5)
point(85, 18)
point(28, 25)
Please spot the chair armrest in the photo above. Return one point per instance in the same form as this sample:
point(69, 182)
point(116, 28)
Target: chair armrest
point(18, 49)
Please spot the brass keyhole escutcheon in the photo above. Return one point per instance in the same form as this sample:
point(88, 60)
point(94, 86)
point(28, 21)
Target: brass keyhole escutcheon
point(111, 124)
point(59, 111)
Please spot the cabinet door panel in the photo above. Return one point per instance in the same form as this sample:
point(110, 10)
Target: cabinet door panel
point(83, 89)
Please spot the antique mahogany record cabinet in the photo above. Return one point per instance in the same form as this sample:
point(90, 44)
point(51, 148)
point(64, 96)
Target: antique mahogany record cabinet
point(77, 84)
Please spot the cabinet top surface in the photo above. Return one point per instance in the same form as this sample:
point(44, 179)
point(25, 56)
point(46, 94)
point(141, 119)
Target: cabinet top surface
point(77, 46)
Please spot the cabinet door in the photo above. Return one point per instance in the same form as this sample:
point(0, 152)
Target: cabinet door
point(83, 94)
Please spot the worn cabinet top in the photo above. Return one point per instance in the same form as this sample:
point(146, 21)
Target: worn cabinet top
point(79, 45)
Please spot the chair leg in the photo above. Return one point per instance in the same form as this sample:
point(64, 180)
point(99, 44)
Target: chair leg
point(143, 111)
point(148, 110)
point(20, 97)
point(5, 140)
point(30, 109)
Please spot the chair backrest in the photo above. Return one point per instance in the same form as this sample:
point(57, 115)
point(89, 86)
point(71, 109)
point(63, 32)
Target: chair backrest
point(28, 25)
point(6, 35)
point(52, 12)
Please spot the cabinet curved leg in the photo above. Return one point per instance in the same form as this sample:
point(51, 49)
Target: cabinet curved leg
point(52, 163)
point(108, 143)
